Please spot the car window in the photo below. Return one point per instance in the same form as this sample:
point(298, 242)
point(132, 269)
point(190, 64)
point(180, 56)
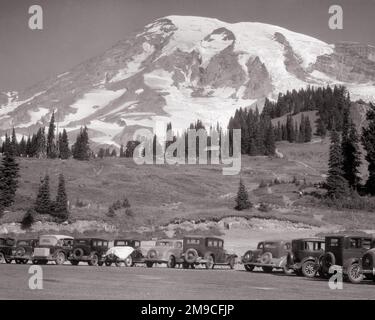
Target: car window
point(260, 245)
point(221, 244)
point(366, 243)
point(178, 245)
point(164, 244)
point(68, 242)
point(355, 243)
point(105, 243)
point(193, 241)
point(269, 245)
point(121, 243)
point(137, 244)
point(334, 242)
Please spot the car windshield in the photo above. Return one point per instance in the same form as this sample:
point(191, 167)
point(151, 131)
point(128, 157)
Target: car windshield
point(48, 240)
point(122, 243)
point(164, 244)
point(270, 245)
point(81, 241)
point(193, 241)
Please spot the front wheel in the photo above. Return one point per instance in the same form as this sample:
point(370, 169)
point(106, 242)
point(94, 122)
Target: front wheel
point(354, 273)
point(309, 269)
point(108, 263)
point(128, 261)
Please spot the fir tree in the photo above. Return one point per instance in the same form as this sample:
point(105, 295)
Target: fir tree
point(14, 144)
point(307, 130)
point(242, 199)
point(368, 142)
point(8, 179)
point(81, 149)
point(337, 186)
point(64, 146)
point(350, 151)
point(51, 144)
point(269, 142)
point(61, 203)
point(43, 199)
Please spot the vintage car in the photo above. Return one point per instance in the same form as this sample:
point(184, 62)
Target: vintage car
point(207, 251)
point(165, 251)
point(6, 247)
point(269, 255)
point(90, 250)
point(304, 256)
point(23, 250)
point(345, 251)
point(52, 248)
point(119, 255)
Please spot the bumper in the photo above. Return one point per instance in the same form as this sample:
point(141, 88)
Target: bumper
point(156, 260)
point(278, 265)
point(26, 257)
point(49, 258)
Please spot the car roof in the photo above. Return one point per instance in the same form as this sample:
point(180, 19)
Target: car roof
point(349, 236)
point(89, 239)
point(58, 236)
point(170, 240)
point(309, 239)
point(204, 237)
point(121, 239)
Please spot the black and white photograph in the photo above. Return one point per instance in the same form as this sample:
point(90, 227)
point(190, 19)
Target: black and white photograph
point(203, 151)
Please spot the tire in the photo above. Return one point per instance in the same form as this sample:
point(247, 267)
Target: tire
point(78, 253)
point(94, 260)
point(129, 261)
point(171, 262)
point(100, 263)
point(34, 261)
point(266, 258)
point(288, 271)
point(231, 263)
point(118, 263)
point(149, 264)
point(108, 263)
point(74, 262)
point(249, 267)
point(25, 261)
point(18, 261)
point(60, 258)
point(8, 261)
point(2, 257)
point(191, 255)
point(267, 269)
point(354, 273)
point(210, 262)
point(309, 269)
point(185, 265)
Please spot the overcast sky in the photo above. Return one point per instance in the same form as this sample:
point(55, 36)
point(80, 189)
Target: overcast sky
point(75, 30)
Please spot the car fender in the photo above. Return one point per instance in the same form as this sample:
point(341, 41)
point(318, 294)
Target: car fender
point(309, 258)
point(371, 254)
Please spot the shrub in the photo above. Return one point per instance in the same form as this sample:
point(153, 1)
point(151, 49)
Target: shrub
point(28, 219)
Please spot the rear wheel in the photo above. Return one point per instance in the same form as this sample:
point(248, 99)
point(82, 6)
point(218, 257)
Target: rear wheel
point(149, 264)
point(210, 263)
point(249, 267)
point(60, 259)
point(354, 273)
point(18, 261)
point(108, 263)
point(267, 269)
point(25, 261)
point(309, 269)
point(74, 262)
point(94, 260)
point(171, 262)
point(128, 261)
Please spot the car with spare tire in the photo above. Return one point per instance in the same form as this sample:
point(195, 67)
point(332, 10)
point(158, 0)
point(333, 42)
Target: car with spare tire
point(23, 251)
point(165, 251)
point(52, 247)
point(206, 251)
point(345, 251)
point(90, 250)
point(126, 252)
point(269, 255)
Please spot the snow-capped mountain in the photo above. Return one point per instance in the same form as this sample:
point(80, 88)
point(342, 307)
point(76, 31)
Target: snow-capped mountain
point(180, 69)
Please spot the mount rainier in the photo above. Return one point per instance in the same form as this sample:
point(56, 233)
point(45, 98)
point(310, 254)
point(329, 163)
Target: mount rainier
point(179, 69)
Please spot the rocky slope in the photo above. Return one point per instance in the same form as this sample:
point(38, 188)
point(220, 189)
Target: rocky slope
point(180, 69)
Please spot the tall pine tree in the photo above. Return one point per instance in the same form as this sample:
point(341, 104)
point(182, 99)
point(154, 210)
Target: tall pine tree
point(368, 141)
point(43, 199)
point(242, 199)
point(337, 186)
point(64, 149)
point(51, 143)
point(8, 179)
point(61, 203)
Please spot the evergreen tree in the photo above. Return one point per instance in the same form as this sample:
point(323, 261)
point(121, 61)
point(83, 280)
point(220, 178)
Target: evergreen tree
point(8, 179)
point(22, 147)
point(51, 144)
point(14, 144)
point(43, 200)
point(269, 142)
point(368, 142)
point(114, 153)
point(40, 144)
point(64, 146)
point(337, 186)
point(307, 130)
point(242, 199)
point(81, 148)
point(101, 153)
point(122, 151)
point(61, 203)
point(290, 129)
point(350, 151)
